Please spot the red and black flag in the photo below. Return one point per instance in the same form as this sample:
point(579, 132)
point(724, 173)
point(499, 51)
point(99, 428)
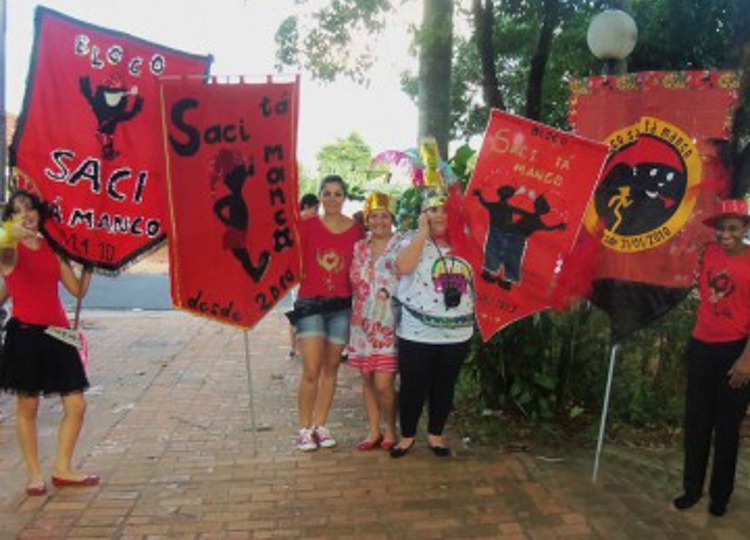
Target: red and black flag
point(661, 176)
point(88, 137)
point(232, 191)
point(524, 206)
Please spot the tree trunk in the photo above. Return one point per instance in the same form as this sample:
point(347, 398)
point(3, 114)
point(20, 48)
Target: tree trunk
point(741, 122)
point(539, 60)
point(435, 63)
point(484, 19)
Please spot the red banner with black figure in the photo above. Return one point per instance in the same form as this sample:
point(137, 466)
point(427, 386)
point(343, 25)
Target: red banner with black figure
point(524, 206)
point(88, 137)
point(232, 190)
point(662, 176)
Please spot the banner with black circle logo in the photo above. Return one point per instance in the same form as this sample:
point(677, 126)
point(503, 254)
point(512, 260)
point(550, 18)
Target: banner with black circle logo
point(662, 175)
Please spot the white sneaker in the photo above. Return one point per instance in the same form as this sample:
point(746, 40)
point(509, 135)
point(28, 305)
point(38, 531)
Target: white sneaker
point(306, 441)
point(323, 437)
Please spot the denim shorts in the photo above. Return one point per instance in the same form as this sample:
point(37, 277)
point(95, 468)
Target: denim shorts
point(333, 326)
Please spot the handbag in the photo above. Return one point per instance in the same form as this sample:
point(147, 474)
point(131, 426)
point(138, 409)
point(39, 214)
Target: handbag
point(304, 307)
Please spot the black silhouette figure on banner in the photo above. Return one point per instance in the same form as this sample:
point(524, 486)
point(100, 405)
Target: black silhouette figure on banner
point(110, 105)
point(232, 211)
point(638, 197)
point(507, 236)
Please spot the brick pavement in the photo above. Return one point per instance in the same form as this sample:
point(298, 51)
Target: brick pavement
point(168, 429)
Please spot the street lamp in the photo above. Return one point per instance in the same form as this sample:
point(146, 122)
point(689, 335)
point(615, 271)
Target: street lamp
point(611, 38)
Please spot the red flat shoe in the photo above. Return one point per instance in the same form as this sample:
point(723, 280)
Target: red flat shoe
point(387, 445)
point(88, 480)
point(367, 444)
point(36, 490)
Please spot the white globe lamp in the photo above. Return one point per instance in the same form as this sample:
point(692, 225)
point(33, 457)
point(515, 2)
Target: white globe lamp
point(612, 36)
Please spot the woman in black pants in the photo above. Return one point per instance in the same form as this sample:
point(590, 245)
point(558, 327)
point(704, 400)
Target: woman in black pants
point(718, 361)
point(436, 323)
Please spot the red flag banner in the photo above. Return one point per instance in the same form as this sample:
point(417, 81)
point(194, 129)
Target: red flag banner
point(662, 175)
point(524, 205)
point(88, 137)
point(232, 190)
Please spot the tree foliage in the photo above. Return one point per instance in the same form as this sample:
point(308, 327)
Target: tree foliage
point(307, 183)
point(350, 158)
point(547, 34)
point(322, 40)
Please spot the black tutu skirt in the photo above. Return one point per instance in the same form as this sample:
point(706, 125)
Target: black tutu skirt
point(34, 362)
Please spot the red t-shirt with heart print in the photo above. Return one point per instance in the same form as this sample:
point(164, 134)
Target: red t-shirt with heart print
point(326, 259)
point(724, 285)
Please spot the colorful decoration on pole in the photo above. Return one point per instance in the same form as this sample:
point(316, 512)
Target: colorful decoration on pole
point(420, 167)
point(394, 168)
point(432, 176)
point(524, 206)
point(87, 139)
point(662, 175)
point(232, 192)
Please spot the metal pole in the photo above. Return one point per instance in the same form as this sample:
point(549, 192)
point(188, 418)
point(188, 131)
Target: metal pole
point(605, 409)
point(250, 393)
point(3, 112)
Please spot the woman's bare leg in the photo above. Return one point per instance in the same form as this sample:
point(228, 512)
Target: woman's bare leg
point(27, 408)
point(371, 406)
point(387, 402)
point(313, 351)
point(74, 407)
point(327, 385)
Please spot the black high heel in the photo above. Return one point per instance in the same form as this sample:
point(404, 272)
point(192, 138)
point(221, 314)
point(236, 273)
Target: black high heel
point(397, 451)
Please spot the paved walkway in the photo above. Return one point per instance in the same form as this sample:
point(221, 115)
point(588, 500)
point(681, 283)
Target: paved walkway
point(169, 430)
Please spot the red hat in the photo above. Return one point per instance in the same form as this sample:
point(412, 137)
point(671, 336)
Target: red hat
point(729, 208)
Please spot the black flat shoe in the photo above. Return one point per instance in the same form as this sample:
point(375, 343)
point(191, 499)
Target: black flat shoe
point(439, 450)
point(397, 451)
point(685, 501)
point(717, 509)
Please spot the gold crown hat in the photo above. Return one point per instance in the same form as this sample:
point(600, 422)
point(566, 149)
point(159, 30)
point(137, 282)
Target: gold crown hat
point(377, 200)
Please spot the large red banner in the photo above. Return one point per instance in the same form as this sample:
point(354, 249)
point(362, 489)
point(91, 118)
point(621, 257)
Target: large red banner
point(232, 190)
point(88, 137)
point(662, 176)
point(663, 173)
point(524, 205)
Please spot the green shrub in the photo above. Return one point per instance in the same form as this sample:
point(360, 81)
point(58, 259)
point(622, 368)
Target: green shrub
point(552, 367)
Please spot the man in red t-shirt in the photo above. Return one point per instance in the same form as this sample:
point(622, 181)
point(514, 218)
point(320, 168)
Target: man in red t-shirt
point(718, 361)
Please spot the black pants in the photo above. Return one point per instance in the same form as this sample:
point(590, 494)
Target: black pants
point(428, 371)
point(712, 407)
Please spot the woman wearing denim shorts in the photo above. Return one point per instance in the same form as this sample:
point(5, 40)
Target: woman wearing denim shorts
point(322, 310)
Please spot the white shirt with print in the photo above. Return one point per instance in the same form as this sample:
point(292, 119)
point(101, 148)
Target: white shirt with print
point(422, 291)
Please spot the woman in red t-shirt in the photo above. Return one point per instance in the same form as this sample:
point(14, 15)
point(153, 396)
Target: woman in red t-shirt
point(33, 361)
point(718, 361)
point(321, 312)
